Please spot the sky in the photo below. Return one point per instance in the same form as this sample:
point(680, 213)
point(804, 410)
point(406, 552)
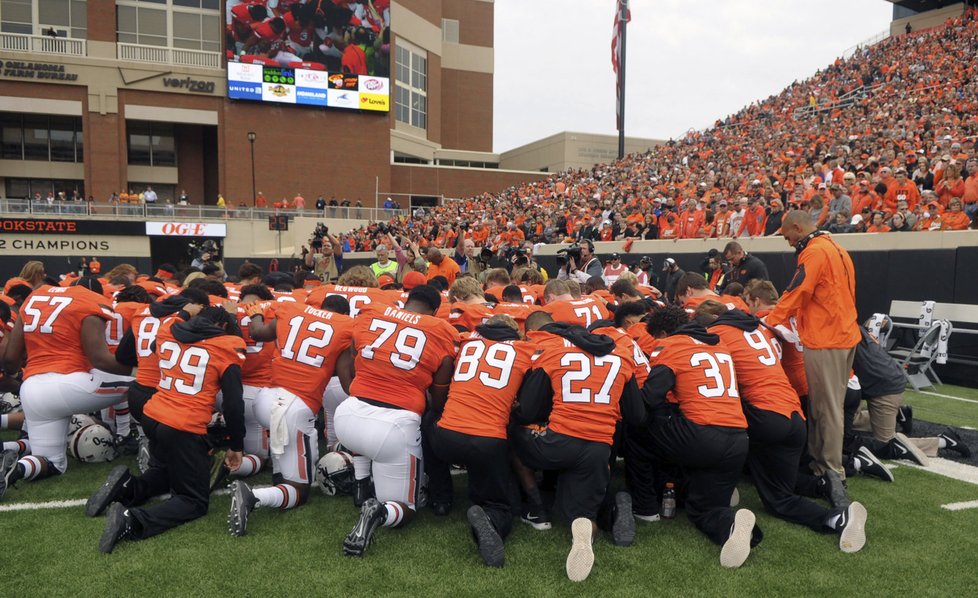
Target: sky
point(688, 62)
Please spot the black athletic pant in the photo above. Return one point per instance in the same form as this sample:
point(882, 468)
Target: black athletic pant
point(138, 395)
point(713, 458)
point(179, 464)
point(644, 475)
point(776, 445)
point(582, 466)
point(491, 482)
point(438, 470)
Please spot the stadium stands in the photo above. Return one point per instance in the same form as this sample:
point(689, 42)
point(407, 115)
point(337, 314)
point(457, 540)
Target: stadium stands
point(896, 122)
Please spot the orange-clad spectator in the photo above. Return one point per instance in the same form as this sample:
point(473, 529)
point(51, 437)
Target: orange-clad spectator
point(955, 218)
point(299, 202)
point(439, 266)
point(901, 188)
point(260, 201)
point(721, 220)
point(951, 185)
point(878, 224)
point(863, 197)
point(690, 221)
point(931, 217)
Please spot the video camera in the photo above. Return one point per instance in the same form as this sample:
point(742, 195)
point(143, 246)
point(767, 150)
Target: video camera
point(205, 251)
point(564, 255)
point(318, 234)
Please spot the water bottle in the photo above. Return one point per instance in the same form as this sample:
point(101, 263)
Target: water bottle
point(668, 510)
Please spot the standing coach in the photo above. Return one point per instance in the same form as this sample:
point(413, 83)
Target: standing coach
point(821, 299)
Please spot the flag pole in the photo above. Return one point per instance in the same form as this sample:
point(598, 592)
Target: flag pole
point(622, 23)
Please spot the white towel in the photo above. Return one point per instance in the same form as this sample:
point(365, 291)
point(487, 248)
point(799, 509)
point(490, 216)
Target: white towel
point(926, 313)
point(876, 325)
point(278, 432)
point(941, 356)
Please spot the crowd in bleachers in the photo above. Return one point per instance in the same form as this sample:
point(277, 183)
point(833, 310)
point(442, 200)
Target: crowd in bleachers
point(882, 141)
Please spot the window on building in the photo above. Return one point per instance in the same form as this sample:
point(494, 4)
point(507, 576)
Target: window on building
point(26, 188)
point(68, 17)
point(151, 144)
point(188, 24)
point(41, 137)
point(449, 31)
point(411, 86)
point(17, 16)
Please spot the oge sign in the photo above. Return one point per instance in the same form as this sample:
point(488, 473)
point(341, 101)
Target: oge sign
point(186, 229)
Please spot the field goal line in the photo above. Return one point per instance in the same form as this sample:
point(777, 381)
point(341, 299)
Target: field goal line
point(944, 396)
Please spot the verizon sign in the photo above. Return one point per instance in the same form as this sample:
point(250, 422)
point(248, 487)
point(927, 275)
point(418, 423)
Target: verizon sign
point(186, 229)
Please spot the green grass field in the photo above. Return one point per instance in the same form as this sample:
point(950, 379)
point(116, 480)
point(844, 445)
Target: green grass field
point(915, 548)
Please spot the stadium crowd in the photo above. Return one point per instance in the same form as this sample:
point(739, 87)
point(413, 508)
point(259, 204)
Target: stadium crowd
point(883, 141)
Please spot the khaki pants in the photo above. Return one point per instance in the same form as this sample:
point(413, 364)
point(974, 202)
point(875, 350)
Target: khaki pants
point(828, 374)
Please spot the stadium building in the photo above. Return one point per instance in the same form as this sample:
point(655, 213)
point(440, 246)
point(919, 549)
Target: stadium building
point(101, 97)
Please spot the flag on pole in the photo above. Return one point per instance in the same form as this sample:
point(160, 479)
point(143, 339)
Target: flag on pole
point(622, 16)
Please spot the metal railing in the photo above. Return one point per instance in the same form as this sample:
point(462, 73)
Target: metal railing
point(24, 207)
point(43, 44)
point(164, 55)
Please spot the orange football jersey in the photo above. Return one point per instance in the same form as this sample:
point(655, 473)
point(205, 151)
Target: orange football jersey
point(468, 315)
point(257, 367)
point(357, 296)
point(517, 311)
point(52, 328)
point(190, 378)
point(584, 311)
point(488, 375)
point(309, 342)
point(398, 353)
point(793, 362)
point(587, 388)
point(145, 327)
point(627, 346)
point(640, 334)
point(706, 381)
point(760, 377)
point(122, 315)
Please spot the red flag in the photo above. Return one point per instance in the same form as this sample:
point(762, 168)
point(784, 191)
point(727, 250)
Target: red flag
point(622, 16)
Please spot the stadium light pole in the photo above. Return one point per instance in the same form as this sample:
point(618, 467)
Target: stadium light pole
point(251, 140)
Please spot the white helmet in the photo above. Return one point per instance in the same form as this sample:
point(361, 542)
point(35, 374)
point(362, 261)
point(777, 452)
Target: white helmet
point(79, 421)
point(92, 444)
point(334, 473)
point(9, 402)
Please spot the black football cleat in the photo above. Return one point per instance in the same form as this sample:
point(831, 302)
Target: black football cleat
point(118, 527)
point(623, 528)
point(372, 515)
point(835, 490)
point(904, 448)
point(852, 528)
point(905, 419)
point(536, 516)
point(8, 464)
point(441, 509)
point(869, 464)
point(490, 544)
point(954, 443)
point(115, 487)
point(243, 502)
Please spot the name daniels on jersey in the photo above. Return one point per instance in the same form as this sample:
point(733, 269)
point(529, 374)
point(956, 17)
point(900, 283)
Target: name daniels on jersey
point(403, 316)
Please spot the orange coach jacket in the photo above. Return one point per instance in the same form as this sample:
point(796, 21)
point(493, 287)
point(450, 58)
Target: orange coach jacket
point(821, 296)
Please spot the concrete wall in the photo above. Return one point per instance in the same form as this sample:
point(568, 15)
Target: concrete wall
point(570, 150)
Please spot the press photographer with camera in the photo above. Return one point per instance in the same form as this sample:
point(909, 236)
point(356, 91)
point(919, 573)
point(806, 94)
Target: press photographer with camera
point(568, 261)
point(325, 255)
point(208, 252)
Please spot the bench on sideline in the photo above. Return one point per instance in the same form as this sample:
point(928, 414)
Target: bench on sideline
point(924, 329)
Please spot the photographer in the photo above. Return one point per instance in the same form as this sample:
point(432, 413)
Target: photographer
point(579, 254)
point(325, 258)
point(209, 252)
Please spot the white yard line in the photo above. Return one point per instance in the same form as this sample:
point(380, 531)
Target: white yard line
point(949, 469)
point(78, 502)
point(51, 504)
point(943, 396)
point(961, 506)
